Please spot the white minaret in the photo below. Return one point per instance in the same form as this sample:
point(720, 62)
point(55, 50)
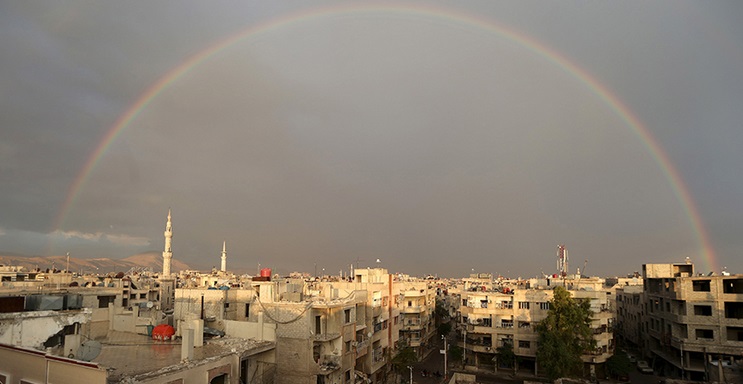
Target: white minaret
point(224, 256)
point(168, 251)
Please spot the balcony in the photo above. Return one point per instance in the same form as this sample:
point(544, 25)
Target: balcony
point(412, 325)
point(327, 336)
point(378, 356)
point(412, 309)
point(362, 348)
point(329, 364)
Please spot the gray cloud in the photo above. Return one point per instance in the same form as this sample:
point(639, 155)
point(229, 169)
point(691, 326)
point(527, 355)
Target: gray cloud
point(435, 146)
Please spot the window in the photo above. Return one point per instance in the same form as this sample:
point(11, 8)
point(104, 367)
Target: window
point(523, 305)
point(247, 310)
point(103, 301)
point(410, 303)
point(733, 310)
point(700, 285)
point(735, 333)
point(396, 319)
point(347, 316)
point(348, 376)
point(348, 346)
point(705, 334)
point(703, 310)
point(732, 286)
point(544, 306)
point(524, 344)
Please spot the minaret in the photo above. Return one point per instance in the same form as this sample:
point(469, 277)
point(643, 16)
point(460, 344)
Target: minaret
point(224, 256)
point(168, 251)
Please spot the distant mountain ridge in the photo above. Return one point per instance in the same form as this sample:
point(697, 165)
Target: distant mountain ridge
point(152, 260)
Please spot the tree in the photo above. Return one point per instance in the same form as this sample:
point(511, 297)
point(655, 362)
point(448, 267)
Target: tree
point(441, 311)
point(618, 365)
point(444, 329)
point(406, 356)
point(455, 353)
point(505, 355)
point(564, 335)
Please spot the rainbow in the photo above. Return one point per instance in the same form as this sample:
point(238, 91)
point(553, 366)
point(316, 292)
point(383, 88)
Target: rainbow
point(429, 13)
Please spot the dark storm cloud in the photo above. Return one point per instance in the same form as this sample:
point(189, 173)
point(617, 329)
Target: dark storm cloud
point(435, 148)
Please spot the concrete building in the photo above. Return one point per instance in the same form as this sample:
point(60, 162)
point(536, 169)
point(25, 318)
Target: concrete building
point(130, 358)
point(630, 304)
point(693, 325)
point(417, 304)
point(489, 319)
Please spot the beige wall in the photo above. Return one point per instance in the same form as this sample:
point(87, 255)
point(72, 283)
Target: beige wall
point(34, 366)
point(32, 329)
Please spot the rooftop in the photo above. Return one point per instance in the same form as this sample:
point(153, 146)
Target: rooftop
point(133, 355)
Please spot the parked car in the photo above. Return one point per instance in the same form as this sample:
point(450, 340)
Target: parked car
point(631, 358)
point(643, 367)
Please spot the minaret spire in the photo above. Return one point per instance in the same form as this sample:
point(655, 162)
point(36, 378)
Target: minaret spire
point(168, 251)
point(224, 256)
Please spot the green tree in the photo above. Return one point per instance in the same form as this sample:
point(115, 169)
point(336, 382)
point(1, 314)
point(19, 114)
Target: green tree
point(564, 335)
point(618, 365)
point(505, 354)
point(441, 311)
point(406, 356)
point(444, 329)
point(455, 354)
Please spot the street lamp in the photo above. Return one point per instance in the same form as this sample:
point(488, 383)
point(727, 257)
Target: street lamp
point(444, 337)
point(410, 367)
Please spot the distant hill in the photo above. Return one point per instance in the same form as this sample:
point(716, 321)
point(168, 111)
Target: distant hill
point(152, 260)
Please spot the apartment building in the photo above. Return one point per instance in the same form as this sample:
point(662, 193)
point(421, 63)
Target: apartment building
point(417, 305)
point(630, 316)
point(693, 325)
point(490, 319)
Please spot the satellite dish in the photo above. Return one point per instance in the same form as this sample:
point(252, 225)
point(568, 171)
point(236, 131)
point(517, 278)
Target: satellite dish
point(89, 350)
point(369, 334)
point(149, 304)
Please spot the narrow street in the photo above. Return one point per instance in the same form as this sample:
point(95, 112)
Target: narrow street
point(434, 363)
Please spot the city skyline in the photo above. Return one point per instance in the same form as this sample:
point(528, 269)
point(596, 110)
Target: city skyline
point(437, 138)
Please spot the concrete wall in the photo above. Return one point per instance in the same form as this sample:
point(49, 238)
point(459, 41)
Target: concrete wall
point(38, 367)
point(250, 330)
point(32, 329)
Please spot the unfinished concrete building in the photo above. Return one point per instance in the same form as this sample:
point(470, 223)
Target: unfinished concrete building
point(693, 324)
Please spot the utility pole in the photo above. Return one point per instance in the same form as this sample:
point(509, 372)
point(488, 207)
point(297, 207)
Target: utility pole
point(464, 350)
point(444, 337)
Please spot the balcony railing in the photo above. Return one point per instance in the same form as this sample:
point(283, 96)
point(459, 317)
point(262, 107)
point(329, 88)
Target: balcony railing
point(329, 364)
point(378, 356)
point(326, 336)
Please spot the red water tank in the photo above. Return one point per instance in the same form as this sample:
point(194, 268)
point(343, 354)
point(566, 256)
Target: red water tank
point(163, 332)
point(266, 272)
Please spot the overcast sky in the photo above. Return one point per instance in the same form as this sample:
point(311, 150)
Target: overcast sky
point(405, 133)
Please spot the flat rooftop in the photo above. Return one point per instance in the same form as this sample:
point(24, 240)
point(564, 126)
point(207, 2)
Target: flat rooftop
point(129, 355)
